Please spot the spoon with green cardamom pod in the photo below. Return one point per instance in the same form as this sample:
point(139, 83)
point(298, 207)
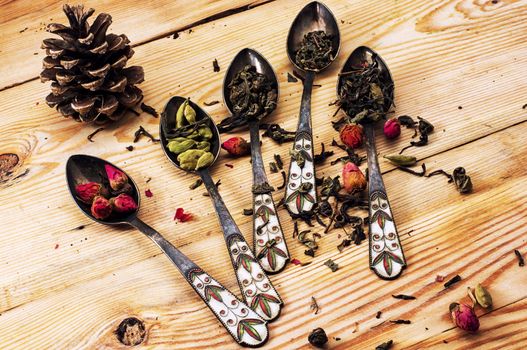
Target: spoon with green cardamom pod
point(109, 196)
point(250, 92)
point(365, 91)
point(191, 141)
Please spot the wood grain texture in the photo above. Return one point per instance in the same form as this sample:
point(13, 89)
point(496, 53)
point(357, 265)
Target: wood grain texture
point(64, 287)
point(23, 26)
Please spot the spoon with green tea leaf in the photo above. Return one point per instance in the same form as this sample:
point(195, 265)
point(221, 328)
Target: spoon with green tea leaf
point(250, 92)
point(185, 128)
point(313, 44)
point(365, 93)
point(109, 196)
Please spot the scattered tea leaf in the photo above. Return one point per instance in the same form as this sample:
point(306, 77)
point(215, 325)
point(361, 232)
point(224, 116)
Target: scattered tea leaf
point(211, 103)
point(277, 133)
point(323, 155)
point(401, 321)
point(248, 212)
point(404, 297)
point(378, 315)
point(142, 132)
point(291, 79)
point(413, 172)
point(278, 161)
point(332, 265)
point(452, 281)
point(196, 184)
point(521, 261)
point(273, 167)
point(130, 148)
point(215, 65)
point(90, 136)
point(385, 346)
point(282, 186)
point(314, 305)
point(149, 109)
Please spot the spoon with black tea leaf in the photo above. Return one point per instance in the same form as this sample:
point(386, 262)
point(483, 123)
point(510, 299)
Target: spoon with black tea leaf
point(244, 324)
point(386, 253)
point(257, 289)
point(268, 239)
point(313, 44)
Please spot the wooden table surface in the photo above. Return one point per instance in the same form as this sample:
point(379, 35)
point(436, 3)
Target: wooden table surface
point(67, 282)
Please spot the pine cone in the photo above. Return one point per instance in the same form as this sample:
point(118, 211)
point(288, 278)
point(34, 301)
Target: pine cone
point(86, 67)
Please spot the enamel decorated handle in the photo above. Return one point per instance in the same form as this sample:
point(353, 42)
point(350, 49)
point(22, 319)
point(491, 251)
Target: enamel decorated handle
point(243, 324)
point(300, 189)
point(257, 289)
point(268, 238)
point(386, 252)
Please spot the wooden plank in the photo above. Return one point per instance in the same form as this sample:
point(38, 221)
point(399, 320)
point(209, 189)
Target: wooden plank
point(452, 76)
point(469, 235)
point(23, 26)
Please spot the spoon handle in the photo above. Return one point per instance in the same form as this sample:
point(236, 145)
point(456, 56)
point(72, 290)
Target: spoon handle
point(244, 325)
point(300, 190)
point(386, 252)
point(257, 290)
point(269, 244)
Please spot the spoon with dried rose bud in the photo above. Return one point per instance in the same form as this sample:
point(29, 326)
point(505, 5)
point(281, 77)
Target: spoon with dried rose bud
point(257, 289)
point(313, 44)
point(365, 93)
point(107, 195)
point(250, 92)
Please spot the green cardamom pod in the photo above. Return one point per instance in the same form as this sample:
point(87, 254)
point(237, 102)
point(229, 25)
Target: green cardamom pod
point(188, 160)
point(190, 113)
point(483, 296)
point(205, 160)
point(205, 132)
point(203, 145)
point(180, 146)
point(180, 114)
point(402, 160)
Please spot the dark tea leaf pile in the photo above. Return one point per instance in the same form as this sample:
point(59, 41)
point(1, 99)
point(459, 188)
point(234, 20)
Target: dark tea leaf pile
point(315, 52)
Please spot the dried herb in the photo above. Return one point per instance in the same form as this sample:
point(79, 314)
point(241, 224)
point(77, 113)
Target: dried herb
point(309, 242)
point(291, 79)
point(196, 184)
point(323, 155)
point(252, 95)
point(278, 161)
point(452, 281)
point(148, 109)
point(142, 132)
point(441, 172)
point(404, 297)
point(130, 148)
point(90, 136)
point(215, 66)
point(345, 243)
point(211, 103)
point(315, 51)
point(425, 128)
point(282, 186)
point(277, 133)
point(385, 346)
point(362, 94)
point(521, 262)
point(378, 315)
point(413, 172)
point(248, 212)
point(351, 157)
point(273, 167)
point(314, 305)
point(332, 265)
point(318, 337)
point(406, 120)
point(462, 180)
point(401, 321)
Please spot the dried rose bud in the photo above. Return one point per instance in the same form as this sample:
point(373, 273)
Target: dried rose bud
point(88, 191)
point(353, 178)
point(351, 135)
point(101, 208)
point(118, 179)
point(464, 317)
point(392, 128)
point(236, 146)
point(123, 203)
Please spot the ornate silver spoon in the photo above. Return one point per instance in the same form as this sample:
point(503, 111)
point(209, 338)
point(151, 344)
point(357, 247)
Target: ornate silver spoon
point(244, 325)
point(300, 190)
point(268, 238)
point(256, 287)
point(386, 253)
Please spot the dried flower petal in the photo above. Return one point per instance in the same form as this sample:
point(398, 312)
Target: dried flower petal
point(148, 193)
point(181, 216)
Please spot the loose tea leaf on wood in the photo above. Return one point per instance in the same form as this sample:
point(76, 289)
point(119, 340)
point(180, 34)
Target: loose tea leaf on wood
point(453, 281)
point(521, 261)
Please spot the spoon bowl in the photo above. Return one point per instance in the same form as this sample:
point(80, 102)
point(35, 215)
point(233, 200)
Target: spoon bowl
point(243, 58)
point(168, 122)
point(314, 16)
point(81, 168)
point(356, 60)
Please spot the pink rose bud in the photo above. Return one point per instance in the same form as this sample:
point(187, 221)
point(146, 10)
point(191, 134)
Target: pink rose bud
point(123, 203)
point(88, 191)
point(118, 179)
point(236, 146)
point(351, 135)
point(101, 208)
point(464, 317)
point(353, 178)
point(392, 128)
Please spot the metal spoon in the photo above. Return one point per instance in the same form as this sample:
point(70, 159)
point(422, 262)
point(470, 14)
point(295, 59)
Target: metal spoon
point(300, 190)
point(257, 289)
point(386, 253)
point(269, 244)
point(233, 314)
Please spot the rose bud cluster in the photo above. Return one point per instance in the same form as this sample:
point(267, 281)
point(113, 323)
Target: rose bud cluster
point(392, 128)
point(236, 146)
point(351, 135)
point(353, 178)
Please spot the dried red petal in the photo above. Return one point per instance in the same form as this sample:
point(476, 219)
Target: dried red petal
point(123, 203)
point(181, 216)
point(392, 128)
point(148, 193)
point(296, 262)
point(351, 135)
point(236, 146)
point(101, 208)
point(88, 191)
point(440, 278)
point(118, 179)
